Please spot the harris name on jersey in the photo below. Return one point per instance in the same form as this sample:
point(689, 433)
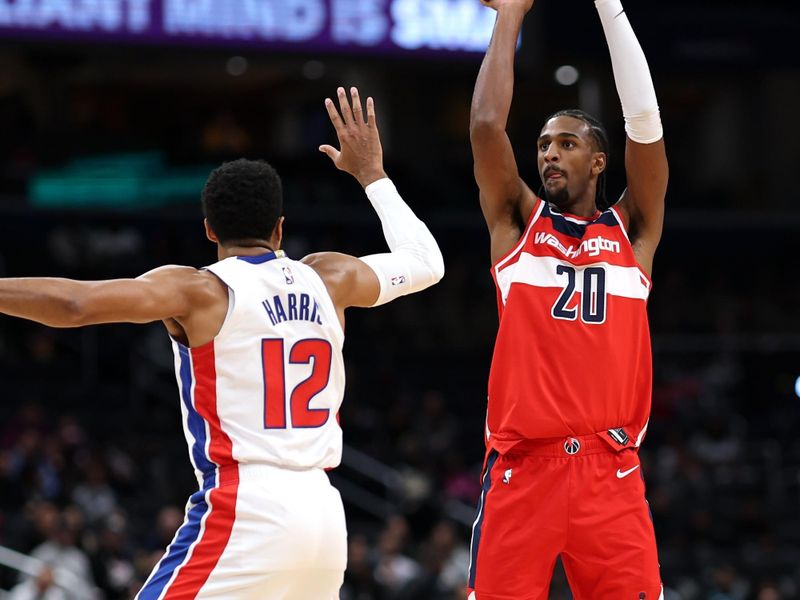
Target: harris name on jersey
point(292, 307)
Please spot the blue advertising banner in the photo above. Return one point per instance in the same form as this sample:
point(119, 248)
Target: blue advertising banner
point(382, 26)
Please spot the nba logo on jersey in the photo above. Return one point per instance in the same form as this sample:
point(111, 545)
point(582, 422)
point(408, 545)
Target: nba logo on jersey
point(287, 273)
point(507, 476)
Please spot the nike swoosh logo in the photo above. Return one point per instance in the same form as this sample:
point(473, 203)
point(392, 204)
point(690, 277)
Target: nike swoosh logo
point(623, 474)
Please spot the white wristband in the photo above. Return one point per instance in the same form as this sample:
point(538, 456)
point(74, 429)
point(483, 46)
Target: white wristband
point(631, 74)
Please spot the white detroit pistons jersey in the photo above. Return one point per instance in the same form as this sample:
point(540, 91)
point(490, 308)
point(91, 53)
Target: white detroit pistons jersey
point(268, 388)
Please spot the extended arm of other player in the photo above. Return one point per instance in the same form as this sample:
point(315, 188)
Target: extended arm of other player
point(167, 292)
point(505, 199)
point(645, 155)
point(415, 261)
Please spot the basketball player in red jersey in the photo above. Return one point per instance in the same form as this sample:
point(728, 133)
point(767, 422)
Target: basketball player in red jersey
point(570, 382)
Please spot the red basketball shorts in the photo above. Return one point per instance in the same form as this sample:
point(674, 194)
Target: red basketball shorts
point(578, 498)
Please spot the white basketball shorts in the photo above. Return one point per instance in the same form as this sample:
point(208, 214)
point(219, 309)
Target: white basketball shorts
point(257, 532)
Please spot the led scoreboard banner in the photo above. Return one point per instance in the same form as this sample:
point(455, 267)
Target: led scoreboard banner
point(385, 26)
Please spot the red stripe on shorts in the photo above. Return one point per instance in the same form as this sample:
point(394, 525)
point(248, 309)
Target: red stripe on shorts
point(219, 520)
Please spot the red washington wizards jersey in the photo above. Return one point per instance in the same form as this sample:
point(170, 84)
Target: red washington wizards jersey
point(572, 355)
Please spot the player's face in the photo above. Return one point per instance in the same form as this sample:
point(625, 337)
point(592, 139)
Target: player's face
point(565, 157)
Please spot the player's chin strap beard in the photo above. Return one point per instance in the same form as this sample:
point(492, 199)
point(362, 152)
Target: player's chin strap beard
point(558, 200)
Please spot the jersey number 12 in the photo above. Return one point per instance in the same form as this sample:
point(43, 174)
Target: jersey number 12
point(302, 352)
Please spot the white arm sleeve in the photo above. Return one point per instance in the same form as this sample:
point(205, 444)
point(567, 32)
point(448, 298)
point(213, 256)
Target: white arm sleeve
point(631, 74)
point(415, 261)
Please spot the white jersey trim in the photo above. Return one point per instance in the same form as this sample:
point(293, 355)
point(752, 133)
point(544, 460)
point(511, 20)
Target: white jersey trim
point(540, 271)
point(640, 437)
point(618, 217)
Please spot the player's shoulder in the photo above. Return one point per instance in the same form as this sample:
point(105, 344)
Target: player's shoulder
point(171, 271)
point(198, 285)
point(326, 264)
point(177, 275)
point(338, 271)
point(321, 258)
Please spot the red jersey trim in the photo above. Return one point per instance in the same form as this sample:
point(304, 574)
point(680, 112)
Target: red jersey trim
point(582, 220)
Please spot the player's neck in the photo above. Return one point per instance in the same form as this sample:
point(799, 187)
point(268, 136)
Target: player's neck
point(580, 207)
point(246, 248)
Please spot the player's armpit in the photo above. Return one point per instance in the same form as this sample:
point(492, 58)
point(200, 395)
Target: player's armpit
point(349, 280)
point(507, 220)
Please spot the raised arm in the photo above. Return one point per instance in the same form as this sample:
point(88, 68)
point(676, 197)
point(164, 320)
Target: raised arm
point(175, 293)
point(646, 166)
point(505, 199)
point(415, 261)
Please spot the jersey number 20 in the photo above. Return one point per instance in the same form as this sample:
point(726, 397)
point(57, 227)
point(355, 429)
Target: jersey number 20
point(302, 352)
point(593, 298)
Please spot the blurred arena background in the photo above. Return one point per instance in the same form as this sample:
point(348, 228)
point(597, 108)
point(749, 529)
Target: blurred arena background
point(112, 113)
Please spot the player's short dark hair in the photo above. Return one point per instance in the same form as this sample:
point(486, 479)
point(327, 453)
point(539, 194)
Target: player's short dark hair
point(600, 138)
point(243, 199)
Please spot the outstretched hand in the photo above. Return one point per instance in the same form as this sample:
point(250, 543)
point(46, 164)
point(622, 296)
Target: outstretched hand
point(497, 4)
point(361, 154)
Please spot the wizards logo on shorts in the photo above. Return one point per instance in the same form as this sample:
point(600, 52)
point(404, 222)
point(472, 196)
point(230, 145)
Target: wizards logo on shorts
point(572, 446)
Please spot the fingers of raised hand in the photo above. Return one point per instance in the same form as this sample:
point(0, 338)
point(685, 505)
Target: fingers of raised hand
point(332, 152)
point(371, 118)
point(358, 111)
point(338, 125)
point(344, 105)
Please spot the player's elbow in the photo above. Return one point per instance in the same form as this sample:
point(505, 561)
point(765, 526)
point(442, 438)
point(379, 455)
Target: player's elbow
point(436, 265)
point(84, 308)
point(430, 255)
point(71, 312)
point(429, 268)
point(485, 126)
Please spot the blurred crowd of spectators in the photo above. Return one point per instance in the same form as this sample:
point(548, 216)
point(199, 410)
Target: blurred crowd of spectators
point(94, 473)
point(63, 501)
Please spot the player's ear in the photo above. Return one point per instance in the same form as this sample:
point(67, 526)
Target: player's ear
point(210, 232)
point(277, 233)
point(598, 163)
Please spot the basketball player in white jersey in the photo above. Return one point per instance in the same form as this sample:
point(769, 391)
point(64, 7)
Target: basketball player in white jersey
point(258, 340)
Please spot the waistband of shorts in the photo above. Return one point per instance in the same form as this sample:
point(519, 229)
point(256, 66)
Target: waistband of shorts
point(570, 446)
point(234, 473)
